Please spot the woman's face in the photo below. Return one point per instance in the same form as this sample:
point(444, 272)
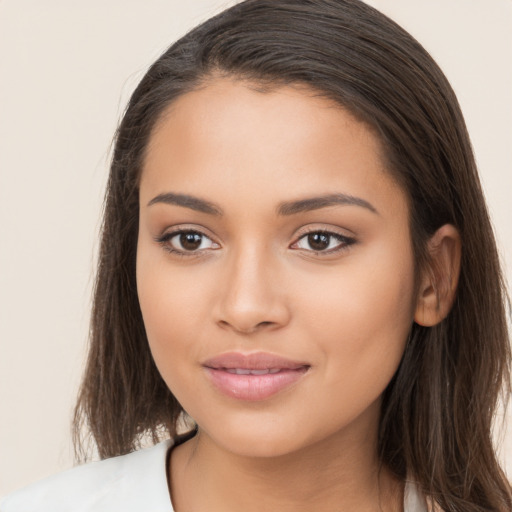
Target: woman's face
point(274, 269)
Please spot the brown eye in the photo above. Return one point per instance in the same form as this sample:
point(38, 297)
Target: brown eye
point(323, 241)
point(318, 241)
point(190, 241)
point(184, 242)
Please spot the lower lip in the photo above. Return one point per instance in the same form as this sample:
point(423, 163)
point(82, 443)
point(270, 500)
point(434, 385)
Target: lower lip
point(254, 387)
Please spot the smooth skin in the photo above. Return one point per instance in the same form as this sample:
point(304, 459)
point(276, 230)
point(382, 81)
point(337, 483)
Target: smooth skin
point(230, 260)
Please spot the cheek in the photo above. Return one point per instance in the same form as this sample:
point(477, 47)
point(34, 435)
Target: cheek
point(173, 307)
point(361, 317)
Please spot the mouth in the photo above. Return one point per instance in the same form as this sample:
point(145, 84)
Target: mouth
point(245, 371)
point(253, 377)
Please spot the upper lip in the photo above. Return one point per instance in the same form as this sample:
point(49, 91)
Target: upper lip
point(253, 361)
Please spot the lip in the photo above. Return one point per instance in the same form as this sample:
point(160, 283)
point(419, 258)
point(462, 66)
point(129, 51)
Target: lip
point(253, 377)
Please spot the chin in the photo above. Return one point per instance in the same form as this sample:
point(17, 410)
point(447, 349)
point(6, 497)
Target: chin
point(265, 436)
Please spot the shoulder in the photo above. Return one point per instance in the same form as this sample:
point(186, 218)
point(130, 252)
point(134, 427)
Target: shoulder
point(136, 481)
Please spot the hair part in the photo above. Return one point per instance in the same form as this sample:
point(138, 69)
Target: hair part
point(438, 410)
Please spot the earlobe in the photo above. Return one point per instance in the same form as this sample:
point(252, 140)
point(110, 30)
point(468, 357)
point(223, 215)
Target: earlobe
point(438, 284)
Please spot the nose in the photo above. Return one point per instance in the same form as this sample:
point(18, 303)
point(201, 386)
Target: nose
point(252, 298)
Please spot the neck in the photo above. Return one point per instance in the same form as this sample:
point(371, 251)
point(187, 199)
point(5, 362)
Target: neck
point(340, 473)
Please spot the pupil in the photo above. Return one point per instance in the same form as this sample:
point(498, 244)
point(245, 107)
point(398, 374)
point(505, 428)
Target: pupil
point(318, 241)
point(190, 241)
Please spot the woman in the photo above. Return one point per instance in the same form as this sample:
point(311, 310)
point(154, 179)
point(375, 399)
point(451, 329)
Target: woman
point(296, 251)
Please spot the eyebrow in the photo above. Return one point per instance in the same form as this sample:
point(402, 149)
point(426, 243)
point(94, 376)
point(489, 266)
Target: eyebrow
point(187, 201)
point(315, 203)
point(284, 209)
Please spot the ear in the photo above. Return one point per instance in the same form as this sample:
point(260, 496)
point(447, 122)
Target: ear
point(438, 283)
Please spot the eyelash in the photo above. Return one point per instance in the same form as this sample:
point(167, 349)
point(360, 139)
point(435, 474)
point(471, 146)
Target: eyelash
point(165, 239)
point(345, 241)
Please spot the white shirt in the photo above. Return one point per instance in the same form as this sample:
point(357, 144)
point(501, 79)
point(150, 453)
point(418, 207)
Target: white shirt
point(136, 482)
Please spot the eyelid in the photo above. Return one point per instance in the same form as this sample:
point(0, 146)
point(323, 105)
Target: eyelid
point(345, 241)
point(325, 228)
point(169, 233)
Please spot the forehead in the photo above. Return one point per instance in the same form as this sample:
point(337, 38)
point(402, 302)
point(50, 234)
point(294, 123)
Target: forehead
point(231, 136)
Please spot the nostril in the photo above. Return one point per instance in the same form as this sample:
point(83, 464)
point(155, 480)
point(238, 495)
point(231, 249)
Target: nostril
point(243, 329)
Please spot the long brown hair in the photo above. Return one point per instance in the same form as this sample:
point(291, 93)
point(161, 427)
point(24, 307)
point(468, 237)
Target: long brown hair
point(438, 410)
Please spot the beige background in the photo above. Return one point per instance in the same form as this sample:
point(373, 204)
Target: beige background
point(66, 71)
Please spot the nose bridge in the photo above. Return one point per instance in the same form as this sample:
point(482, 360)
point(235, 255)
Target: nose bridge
point(251, 297)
